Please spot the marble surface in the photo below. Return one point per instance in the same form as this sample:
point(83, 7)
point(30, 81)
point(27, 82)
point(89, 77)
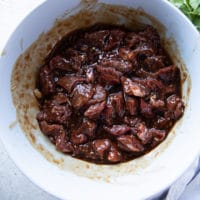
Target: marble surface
point(13, 184)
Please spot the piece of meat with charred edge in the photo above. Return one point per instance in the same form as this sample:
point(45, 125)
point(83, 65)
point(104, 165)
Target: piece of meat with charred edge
point(81, 94)
point(117, 130)
point(158, 136)
point(68, 82)
point(132, 121)
point(46, 81)
point(130, 143)
point(109, 114)
point(109, 74)
point(132, 88)
point(114, 155)
point(101, 146)
point(95, 110)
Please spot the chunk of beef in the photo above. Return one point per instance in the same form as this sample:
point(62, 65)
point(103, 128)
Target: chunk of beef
point(175, 107)
point(81, 94)
point(62, 63)
point(68, 82)
point(46, 81)
point(62, 144)
point(117, 130)
point(154, 63)
point(60, 98)
point(117, 100)
point(114, 154)
point(158, 136)
point(109, 114)
point(101, 146)
point(169, 74)
point(114, 39)
point(132, 122)
point(97, 38)
point(143, 133)
point(51, 130)
point(156, 103)
point(95, 110)
point(132, 105)
point(132, 40)
point(119, 64)
point(85, 131)
point(133, 88)
point(109, 74)
point(90, 74)
point(99, 95)
point(146, 109)
point(54, 113)
point(130, 143)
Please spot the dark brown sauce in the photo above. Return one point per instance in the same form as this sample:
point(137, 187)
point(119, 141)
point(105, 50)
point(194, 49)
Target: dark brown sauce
point(125, 96)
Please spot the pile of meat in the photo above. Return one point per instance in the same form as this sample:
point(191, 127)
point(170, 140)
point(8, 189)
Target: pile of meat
point(107, 94)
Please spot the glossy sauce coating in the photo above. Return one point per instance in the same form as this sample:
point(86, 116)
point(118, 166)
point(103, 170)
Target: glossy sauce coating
point(107, 94)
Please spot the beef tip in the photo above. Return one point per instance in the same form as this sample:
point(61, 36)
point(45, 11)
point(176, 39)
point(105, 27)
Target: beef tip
point(114, 39)
point(85, 131)
point(143, 133)
point(101, 146)
point(117, 130)
point(175, 107)
point(60, 98)
point(132, 40)
point(95, 110)
point(119, 64)
point(156, 103)
point(152, 36)
point(127, 54)
point(117, 100)
point(62, 144)
point(114, 154)
point(53, 113)
point(132, 105)
point(146, 109)
point(154, 63)
point(169, 74)
point(97, 38)
point(46, 81)
point(81, 94)
point(62, 63)
point(78, 138)
point(163, 122)
point(90, 74)
point(158, 135)
point(109, 74)
point(132, 121)
point(99, 95)
point(109, 114)
point(76, 58)
point(130, 143)
point(51, 130)
point(68, 82)
point(132, 88)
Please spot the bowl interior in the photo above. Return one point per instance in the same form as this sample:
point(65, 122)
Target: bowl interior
point(169, 160)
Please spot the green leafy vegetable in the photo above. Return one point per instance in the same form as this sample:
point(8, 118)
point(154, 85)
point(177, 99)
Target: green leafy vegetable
point(191, 8)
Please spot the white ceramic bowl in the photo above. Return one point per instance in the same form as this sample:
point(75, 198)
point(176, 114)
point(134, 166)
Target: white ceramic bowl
point(68, 178)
